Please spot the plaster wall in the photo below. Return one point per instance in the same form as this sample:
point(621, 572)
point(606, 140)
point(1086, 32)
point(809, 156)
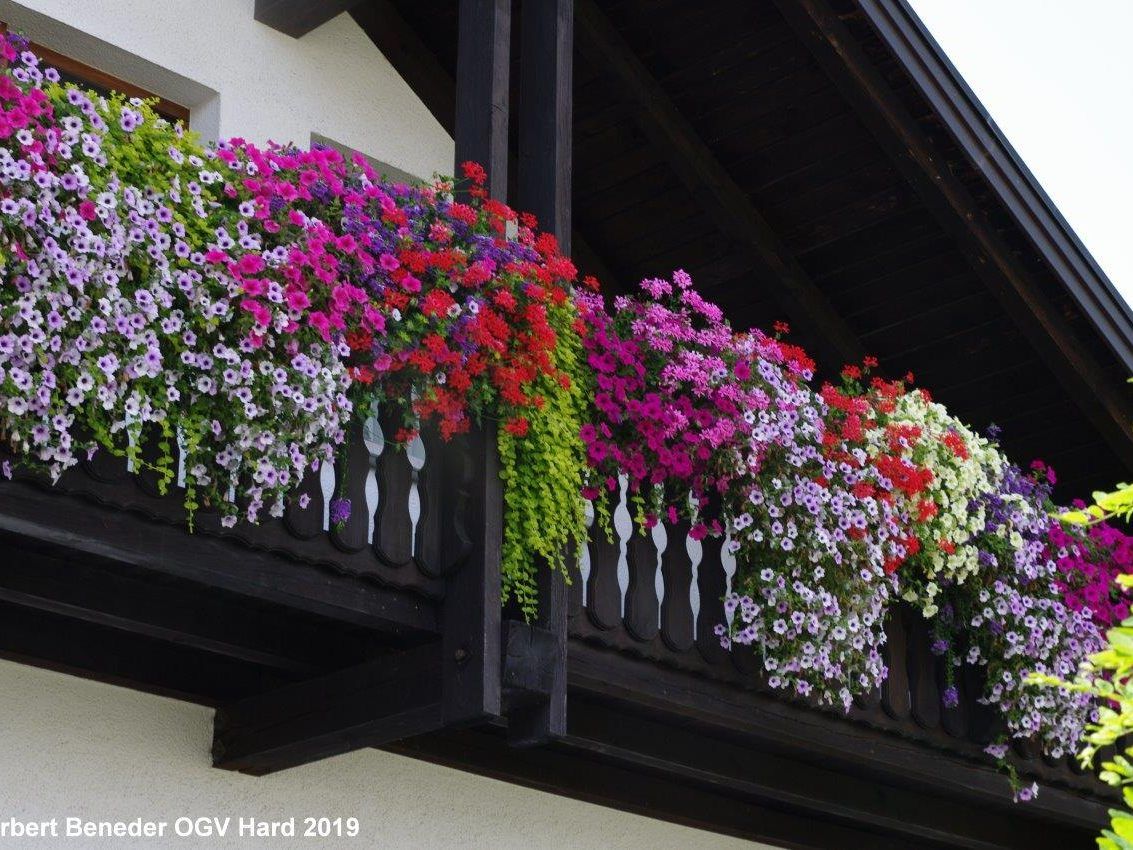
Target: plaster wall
point(77, 748)
point(241, 78)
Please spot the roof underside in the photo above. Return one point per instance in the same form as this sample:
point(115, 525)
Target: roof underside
point(747, 82)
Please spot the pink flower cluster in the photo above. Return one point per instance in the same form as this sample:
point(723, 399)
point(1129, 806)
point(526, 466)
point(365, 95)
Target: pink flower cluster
point(674, 384)
point(1089, 560)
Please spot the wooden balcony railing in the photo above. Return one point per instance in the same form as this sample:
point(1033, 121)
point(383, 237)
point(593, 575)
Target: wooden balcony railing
point(407, 527)
point(660, 596)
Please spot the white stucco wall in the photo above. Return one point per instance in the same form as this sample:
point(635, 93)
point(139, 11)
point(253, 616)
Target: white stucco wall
point(76, 748)
point(241, 78)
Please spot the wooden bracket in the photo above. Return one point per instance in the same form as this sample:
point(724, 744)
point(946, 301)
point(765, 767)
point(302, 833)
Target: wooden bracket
point(392, 697)
point(296, 18)
point(534, 684)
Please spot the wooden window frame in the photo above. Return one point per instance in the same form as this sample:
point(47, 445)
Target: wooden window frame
point(97, 78)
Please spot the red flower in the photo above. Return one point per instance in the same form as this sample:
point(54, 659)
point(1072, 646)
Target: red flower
point(475, 172)
point(517, 427)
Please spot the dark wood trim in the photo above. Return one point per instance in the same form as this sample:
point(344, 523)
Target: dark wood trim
point(907, 145)
point(387, 699)
point(709, 182)
point(296, 18)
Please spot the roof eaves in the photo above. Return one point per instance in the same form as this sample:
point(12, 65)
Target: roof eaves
point(1005, 172)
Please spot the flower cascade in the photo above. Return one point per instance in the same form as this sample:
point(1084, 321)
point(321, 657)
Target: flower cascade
point(817, 528)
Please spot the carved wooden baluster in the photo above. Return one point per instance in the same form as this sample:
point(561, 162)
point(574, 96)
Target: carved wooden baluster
point(895, 689)
point(603, 596)
point(307, 522)
point(922, 675)
point(351, 468)
point(456, 502)
point(642, 608)
point(749, 661)
point(428, 549)
point(374, 439)
point(676, 608)
point(984, 723)
point(415, 454)
point(711, 581)
point(105, 466)
point(394, 538)
point(1026, 748)
point(956, 720)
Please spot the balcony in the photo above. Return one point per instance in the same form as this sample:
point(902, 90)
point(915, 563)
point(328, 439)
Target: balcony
point(313, 640)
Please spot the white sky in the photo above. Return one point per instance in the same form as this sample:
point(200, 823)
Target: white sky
point(1057, 77)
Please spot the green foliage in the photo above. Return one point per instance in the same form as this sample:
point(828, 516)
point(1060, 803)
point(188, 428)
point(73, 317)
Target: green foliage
point(542, 474)
point(1118, 504)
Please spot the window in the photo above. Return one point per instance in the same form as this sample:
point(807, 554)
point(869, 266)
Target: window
point(88, 77)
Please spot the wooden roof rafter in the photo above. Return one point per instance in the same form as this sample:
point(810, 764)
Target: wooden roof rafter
point(907, 145)
point(730, 208)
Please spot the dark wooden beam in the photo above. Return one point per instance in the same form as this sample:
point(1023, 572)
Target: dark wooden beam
point(175, 612)
point(387, 699)
point(483, 65)
point(296, 18)
point(821, 737)
point(470, 614)
point(713, 187)
point(546, 105)
point(1103, 399)
point(159, 549)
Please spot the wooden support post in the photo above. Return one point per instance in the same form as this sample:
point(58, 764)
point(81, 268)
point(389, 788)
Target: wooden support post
point(471, 617)
point(545, 113)
point(544, 188)
point(483, 63)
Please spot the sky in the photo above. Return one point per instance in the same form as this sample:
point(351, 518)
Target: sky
point(1057, 77)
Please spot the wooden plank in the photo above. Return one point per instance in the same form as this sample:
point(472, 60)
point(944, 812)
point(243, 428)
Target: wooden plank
point(92, 650)
point(296, 18)
point(1100, 397)
point(392, 697)
point(176, 612)
point(728, 205)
